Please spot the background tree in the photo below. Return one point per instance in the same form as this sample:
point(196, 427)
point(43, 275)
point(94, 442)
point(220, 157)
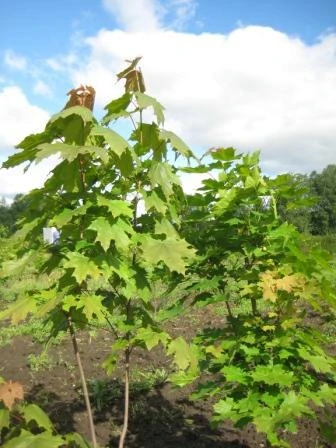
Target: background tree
point(10, 213)
point(323, 215)
point(295, 199)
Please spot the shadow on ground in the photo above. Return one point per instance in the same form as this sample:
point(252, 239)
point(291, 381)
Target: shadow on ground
point(159, 418)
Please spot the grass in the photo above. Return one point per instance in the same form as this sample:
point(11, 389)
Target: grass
point(37, 329)
point(105, 391)
point(39, 362)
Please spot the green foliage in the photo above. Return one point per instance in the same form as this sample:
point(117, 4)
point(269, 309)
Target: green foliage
point(324, 212)
point(39, 362)
point(121, 211)
point(24, 425)
point(10, 214)
point(110, 251)
point(309, 201)
point(267, 365)
point(105, 392)
point(295, 200)
point(38, 330)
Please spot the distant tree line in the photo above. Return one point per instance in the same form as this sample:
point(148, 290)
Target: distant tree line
point(312, 208)
point(310, 204)
point(10, 213)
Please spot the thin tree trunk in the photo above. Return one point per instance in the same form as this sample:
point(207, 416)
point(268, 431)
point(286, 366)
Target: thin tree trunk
point(126, 400)
point(228, 307)
point(254, 306)
point(83, 381)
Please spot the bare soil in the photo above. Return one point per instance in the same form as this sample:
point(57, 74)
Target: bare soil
point(160, 417)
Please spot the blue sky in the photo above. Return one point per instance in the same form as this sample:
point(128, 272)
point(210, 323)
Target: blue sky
point(268, 61)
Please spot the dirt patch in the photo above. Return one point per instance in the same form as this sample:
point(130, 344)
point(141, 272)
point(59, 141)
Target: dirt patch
point(160, 417)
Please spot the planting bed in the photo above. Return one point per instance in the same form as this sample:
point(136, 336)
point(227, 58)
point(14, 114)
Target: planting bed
point(162, 416)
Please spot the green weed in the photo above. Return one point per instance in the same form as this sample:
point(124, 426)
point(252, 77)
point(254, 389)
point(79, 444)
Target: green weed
point(39, 362)
point(37, 329)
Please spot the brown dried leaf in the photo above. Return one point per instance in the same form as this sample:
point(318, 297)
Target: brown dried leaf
point(131, 67)
point(135, 82)
point(82, 96)
point(11, 391)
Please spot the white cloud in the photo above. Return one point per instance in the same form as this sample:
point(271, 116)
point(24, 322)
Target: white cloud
point(18, 119)
point(63, 63)
point(135, 15)
point(149, 15)
point(15, 61)
point(184, 11)
point(42, 88)
point(255, 88)
point(15, 180)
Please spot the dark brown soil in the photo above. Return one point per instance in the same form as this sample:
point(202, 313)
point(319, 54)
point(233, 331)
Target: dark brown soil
point(160, 417)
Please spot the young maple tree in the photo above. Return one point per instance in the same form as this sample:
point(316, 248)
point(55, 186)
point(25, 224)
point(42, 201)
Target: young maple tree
point(268, 363)
point(116, 204)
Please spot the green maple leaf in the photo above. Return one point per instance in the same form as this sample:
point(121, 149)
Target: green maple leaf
point(104, 233)
point(90, 305)
point(176, 142)
point(320, 363)
point(151, 337)
point(83, 112)
point(227, 197)
point(77, 440)
point(20, 309)
point(273, 374)
point(34, 412)
point(66, 214)
point(115, 206)
point(152, 200)
point(93, 307)
point(172, 252)
point(107, 232)
point(116, 143)
point(145, 101)
point(264, 421)
point(182, 352)
point(83, 267)
point(293, 406)
point(224, 408)
point(235, 374)
point(63, 218)
point(69, 152)
point(164, 227)
point(117, 108)
point(161, 174)
point(29, 440)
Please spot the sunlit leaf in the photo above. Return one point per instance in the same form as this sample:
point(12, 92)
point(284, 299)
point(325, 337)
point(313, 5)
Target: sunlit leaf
point(176, 142)
point(34, 412)
point(145, 101)
point(116, 207)
point(19, 310)
point(82, 266)
point(174, 253)
point(116, 142)
point(83, 112)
